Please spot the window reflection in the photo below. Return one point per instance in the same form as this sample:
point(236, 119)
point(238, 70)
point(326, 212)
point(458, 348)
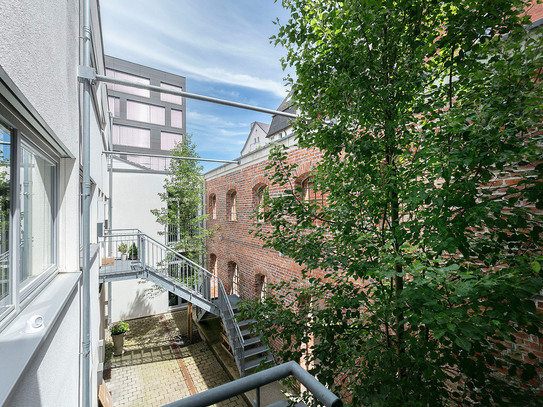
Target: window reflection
point(5, 151)
point(37, 201)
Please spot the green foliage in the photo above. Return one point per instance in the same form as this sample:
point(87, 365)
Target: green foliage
point(421, 266)
point(133, 250)
point(119, 328)
point(183, 215)
point(122, 248)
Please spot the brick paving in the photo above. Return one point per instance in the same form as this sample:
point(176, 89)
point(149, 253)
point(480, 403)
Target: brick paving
point(150, 372)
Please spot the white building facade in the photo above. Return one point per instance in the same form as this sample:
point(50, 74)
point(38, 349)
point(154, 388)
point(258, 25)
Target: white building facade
point(40, 178)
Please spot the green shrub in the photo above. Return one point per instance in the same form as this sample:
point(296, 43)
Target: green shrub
point(119, 328)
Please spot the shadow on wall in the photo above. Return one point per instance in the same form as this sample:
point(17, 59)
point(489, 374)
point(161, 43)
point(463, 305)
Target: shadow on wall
point(140, 307)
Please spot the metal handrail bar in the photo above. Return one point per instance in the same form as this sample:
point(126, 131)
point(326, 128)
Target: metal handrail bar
point(236, 338)
point(208, 274)
point(258, 379)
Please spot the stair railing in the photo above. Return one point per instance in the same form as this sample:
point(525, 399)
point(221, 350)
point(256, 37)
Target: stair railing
point(158, 258)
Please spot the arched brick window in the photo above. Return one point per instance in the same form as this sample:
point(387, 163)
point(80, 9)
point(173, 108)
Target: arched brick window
point(212, 264)
point(263, 288)
point(213, 206)
point(258, 197)
point(309, 193)
point(232, 205)
point(233, 272)
point(212, 267)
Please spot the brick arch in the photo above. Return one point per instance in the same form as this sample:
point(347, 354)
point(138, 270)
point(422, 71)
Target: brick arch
point(304, 170)
point(231, 186)
point(258, 273)
point(258, 181)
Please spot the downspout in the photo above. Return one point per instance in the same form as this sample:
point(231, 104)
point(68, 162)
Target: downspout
point(85, 387)
point(110, 210)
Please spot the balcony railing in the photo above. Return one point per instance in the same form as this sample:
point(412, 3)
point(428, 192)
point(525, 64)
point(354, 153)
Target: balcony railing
point(257, 380)
point(167, 268)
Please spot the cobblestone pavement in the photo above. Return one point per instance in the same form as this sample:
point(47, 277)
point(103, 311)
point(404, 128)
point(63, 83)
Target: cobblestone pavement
point(158, 367)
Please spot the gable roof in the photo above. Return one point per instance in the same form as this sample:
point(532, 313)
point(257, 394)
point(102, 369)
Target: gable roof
point(280, 123)
point(264, 126)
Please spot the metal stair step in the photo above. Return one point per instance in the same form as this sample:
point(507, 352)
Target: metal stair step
point(255, 351)
point(255, 362)
point(246, 322)
point(285, 403)
point(245, 332)
point(251, 341)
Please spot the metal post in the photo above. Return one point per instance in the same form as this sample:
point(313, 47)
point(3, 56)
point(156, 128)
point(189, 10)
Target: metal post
point(85, 377)
point(257, 397)
point(110, 206)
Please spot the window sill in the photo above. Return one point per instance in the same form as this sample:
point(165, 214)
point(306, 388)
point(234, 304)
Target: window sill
point(18, 348)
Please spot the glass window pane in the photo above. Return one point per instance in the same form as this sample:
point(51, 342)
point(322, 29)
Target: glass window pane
point(158, 115)
point(37, 202)
point(5, 171)
point(169, 140)
point(114, 106)
point(128, 89)
point(131, 136)
point(177, 119)
point(178, 100)
point(137, 111)
point(143, 112)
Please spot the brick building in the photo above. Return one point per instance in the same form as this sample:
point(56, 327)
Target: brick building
point(238, 258)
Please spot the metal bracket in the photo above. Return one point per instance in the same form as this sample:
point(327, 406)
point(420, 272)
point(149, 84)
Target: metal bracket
point(86, 73)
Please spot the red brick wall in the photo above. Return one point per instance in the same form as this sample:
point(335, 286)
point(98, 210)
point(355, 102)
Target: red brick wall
point(232, 241)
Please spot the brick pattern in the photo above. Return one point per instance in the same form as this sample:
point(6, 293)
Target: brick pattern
point(150, 373)
point(233, 243)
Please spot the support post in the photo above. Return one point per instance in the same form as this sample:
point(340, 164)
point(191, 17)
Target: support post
point(86, 303)
point(189, 321)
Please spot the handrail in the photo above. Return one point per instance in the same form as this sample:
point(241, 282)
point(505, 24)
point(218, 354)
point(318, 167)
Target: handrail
point(227, 313)
point(255, 381)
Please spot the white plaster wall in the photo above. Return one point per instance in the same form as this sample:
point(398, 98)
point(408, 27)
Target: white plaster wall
point(52, 379)
point(134, 195)
point(39, 51)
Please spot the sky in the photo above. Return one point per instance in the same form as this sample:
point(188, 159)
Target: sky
point(221, 47)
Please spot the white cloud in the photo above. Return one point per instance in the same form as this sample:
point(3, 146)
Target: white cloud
point(194, 42)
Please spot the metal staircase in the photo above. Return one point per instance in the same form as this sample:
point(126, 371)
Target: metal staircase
point(172, 271)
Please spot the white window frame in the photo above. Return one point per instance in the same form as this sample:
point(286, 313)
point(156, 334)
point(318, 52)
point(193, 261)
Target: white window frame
point(21, 293)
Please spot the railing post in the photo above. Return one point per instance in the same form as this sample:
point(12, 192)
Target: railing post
point(143, 254)
point(257, 401)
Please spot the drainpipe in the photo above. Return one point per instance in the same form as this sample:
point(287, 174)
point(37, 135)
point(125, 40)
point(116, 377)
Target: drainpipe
point(110, 210)
point(85, 386)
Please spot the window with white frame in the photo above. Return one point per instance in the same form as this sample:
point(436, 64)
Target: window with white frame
point(28, 208)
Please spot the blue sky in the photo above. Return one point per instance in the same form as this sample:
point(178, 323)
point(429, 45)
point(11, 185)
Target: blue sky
point(221, 47)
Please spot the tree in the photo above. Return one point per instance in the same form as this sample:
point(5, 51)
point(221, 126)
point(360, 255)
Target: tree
point(183, 216)
point(427, 114)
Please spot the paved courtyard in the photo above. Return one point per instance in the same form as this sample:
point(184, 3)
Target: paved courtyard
point(159, 366)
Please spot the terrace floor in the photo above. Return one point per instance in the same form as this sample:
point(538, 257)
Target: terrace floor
point(159, 365)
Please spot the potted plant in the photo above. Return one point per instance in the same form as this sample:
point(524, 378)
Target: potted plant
point(118, 331)
point(122, 248)
point(133, 252)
